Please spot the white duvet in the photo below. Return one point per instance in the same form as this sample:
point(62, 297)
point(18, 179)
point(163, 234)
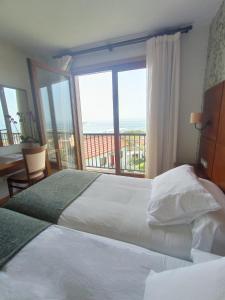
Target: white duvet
point(115, 207)
point(63, 264)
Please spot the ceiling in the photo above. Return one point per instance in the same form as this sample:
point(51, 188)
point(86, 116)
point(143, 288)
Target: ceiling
point(48, 26)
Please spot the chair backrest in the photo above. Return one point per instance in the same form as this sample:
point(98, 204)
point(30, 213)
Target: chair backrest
point(35, 162)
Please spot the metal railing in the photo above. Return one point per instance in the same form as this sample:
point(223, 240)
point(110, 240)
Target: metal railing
point(99, 151)
point(5, 138)
point(65, 152)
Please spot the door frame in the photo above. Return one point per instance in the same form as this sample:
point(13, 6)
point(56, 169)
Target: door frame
point(32, 69)
point(114, 67)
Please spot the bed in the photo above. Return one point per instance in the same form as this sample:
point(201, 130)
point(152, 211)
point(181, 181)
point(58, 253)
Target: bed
point(111, 206)
point(52, 262)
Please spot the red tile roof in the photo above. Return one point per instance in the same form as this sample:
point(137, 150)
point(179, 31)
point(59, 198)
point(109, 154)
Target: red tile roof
point(96, 145)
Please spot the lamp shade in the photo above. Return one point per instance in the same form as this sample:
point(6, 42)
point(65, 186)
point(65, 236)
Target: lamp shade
point(196, 118)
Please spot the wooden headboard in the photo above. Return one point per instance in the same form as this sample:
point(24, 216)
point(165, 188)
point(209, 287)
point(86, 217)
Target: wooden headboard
point(212, 142)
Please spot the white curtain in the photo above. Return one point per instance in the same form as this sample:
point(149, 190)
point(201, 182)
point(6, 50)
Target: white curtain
point(163, 93)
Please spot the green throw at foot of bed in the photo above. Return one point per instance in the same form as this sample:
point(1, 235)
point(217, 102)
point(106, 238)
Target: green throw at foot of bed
point(16, 230)
point(47, 199)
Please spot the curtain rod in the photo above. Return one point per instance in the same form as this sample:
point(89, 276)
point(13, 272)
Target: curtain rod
point(111, 46)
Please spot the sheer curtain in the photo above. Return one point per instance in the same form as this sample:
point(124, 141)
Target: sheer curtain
point(163, 71)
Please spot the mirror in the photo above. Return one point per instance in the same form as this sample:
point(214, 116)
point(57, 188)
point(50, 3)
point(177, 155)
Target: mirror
point(16, 120)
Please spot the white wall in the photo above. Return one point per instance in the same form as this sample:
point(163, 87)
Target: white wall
point(194, 53)
point(107, 56)
point(193, 61)
point(13, 67)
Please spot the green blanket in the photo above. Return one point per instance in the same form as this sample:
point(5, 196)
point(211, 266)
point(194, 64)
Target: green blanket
point(47, 199)
point(16, 230)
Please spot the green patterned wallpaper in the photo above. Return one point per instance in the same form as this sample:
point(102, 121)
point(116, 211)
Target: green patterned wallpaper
point(215, 69)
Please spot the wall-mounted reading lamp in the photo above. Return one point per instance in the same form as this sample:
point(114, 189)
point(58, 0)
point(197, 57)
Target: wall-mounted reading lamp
point(196, 119)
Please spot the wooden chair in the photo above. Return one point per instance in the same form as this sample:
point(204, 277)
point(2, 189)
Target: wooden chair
point(35, 160)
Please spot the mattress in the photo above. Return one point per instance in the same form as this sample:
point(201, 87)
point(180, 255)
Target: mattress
point(115, 207)
point(62, 263)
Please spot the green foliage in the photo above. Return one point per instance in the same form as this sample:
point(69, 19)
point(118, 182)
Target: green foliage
point(137, 163)
point(134, 131)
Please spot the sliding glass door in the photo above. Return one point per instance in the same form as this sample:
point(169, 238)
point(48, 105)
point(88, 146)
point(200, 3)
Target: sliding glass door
point(56, 115)
point(113, 109)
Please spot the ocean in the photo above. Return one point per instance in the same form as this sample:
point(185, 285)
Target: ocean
point(97, 127)
point(107, 127)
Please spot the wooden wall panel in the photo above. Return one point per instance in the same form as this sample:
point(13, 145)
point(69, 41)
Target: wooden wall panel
point(206, 157)
point(218, 174)
point(221, 133)
point(212, 145)
point(211, 111)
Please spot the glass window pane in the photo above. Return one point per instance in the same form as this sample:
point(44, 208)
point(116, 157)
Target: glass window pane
point(96, 102)
point(64, 121)
point(2, 119)
point(132, 119)
point(132, 100)
point(3, 130)
point(61, 99)
point(13, 110)
point(56, 108)
point(97, 119)
point(19, 117)
point(48, 124)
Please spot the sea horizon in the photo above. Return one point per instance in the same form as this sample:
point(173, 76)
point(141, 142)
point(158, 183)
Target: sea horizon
point(97, 126)
point(107, 127)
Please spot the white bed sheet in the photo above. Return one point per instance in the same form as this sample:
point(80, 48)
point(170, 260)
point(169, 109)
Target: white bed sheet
point(115, 207)
point(64, 264)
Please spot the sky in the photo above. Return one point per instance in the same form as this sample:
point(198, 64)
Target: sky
point(96, 96)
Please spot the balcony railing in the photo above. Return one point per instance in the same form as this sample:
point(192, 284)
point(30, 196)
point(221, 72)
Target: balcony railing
point(6, 137)
point(99, 150)
point(64, 155)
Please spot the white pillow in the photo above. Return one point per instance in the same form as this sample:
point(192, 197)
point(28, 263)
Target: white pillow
point(208, 231)
point(215, 191)
point(177, 197)
point(204, 281)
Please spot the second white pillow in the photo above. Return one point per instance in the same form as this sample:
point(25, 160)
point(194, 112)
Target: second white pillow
point(177, 197)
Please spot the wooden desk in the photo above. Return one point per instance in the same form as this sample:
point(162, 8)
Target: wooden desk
point(10, 163)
